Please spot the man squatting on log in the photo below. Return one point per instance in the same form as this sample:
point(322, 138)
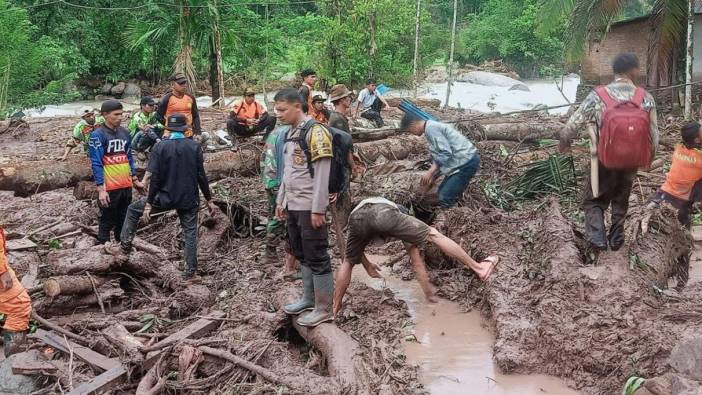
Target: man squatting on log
point(174, 173)
point(379, 219)
point(14, 303)
point(615, 179)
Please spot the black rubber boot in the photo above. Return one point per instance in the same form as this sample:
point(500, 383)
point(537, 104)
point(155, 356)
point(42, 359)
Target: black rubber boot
point(306, 302)
point(323, 299)
point(13, 342)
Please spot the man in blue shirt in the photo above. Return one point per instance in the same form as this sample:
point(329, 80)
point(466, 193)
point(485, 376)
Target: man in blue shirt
point(452, 154)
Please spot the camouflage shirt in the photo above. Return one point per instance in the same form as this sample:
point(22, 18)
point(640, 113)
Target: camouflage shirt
point(592, 108)
point(269, 163)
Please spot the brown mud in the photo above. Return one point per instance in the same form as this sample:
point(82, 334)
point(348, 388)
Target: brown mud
point(553, 308)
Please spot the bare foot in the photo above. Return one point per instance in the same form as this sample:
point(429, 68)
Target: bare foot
point(490, 263)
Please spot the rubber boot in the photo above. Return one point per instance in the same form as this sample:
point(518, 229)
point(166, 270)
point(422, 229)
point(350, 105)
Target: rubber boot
point(307, 301)
point(13, 342)
point(323, 297)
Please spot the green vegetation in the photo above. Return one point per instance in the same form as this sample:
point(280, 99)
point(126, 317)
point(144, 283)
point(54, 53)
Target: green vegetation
point(52, 51)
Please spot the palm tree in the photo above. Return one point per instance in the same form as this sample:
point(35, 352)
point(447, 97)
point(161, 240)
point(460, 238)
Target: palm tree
point(197, 28)
point(590, 19)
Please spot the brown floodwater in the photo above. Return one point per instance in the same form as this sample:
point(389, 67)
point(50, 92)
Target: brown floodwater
point(453, 349)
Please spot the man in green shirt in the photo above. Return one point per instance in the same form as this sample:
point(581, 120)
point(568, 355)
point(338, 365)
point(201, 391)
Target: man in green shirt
point(81, 132)
point(143, 127)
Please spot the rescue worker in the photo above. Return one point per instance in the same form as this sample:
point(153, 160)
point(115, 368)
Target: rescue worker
point(614, 185)
point(340, 96)
point(302, 201)
point(179, 100)
point(113, 170)
point(15, 304)
point(453, 156)
point(81, 132)
point(174, 173)
point(370, 102)
point(249, 117)
point(144, 129)
point(381, 219)
point(309, 78)
point(271, 170)
point(321, 114)
point(683, 183)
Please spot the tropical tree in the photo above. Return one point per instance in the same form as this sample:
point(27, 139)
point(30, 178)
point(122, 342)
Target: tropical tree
point(590, 19)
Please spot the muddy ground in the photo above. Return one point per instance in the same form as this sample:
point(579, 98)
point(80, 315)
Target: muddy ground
point(554, 307)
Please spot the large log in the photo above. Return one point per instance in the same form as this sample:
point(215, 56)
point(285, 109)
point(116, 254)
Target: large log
point(72, 261)
point(72, 285)
point(29, 177)
point(516, 131)
point(342, 353)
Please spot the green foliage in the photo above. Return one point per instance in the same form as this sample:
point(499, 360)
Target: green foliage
point(508, 30)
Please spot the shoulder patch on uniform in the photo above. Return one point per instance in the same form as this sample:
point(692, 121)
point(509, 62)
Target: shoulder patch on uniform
point(319, 141)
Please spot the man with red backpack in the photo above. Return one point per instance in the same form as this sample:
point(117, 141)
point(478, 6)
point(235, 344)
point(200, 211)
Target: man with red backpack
point(627, 139)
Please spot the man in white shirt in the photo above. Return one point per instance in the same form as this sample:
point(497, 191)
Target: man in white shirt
point(370, 102)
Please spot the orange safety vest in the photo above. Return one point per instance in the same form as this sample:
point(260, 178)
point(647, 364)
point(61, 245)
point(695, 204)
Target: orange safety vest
point(183, 105)
point(685, 171)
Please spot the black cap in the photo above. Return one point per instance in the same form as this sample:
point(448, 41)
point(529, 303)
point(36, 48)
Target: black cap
point(110, 105)
point(147, 100)
point(318, 98)
point(177, 122)
point(178, 77)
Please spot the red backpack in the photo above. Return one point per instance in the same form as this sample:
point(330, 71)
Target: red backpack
point(625, 136)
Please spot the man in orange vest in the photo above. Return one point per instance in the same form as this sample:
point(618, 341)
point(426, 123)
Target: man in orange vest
point(319, 113)
point(248, 117)
point(178, 100)
point(15, 304)
point(683, 183)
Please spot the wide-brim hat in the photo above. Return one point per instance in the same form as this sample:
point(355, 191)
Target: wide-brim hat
point(339, 91)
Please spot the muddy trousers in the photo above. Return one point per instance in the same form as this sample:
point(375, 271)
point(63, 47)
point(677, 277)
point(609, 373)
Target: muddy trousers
point(188, 222)
point(266, 123)
point(309, 245)
point(684, 207)
point(17, 310)
point(615, 188)
point(112, 217)
point(373, 113)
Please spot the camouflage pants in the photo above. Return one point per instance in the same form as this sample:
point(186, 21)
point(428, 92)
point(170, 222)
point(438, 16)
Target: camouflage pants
point(275, 229)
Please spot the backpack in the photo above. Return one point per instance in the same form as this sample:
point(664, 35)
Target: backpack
point(341, 145)
point(625, 135)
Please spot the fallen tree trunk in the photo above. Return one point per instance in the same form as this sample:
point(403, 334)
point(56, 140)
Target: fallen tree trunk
point(29, 177)
point(342, 353)
point(517, 131)
point(73, 261)
point(72, 285)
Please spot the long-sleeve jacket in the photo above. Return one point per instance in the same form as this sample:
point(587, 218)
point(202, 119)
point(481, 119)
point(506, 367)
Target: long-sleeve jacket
point(177, 170)
point(299, 191)
point(448, 148)
point(186, 105)
point(111, 157)
point(592, 109)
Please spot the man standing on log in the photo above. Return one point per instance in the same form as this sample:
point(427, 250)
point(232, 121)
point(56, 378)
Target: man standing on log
point(271, 171)
point(15, 304)
point(626, 139)
point(453, 156)
point(340, 96)
point(178, 100)
point(175, 171)
point(302, 200)
point(113, 170)
point(380, 219)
